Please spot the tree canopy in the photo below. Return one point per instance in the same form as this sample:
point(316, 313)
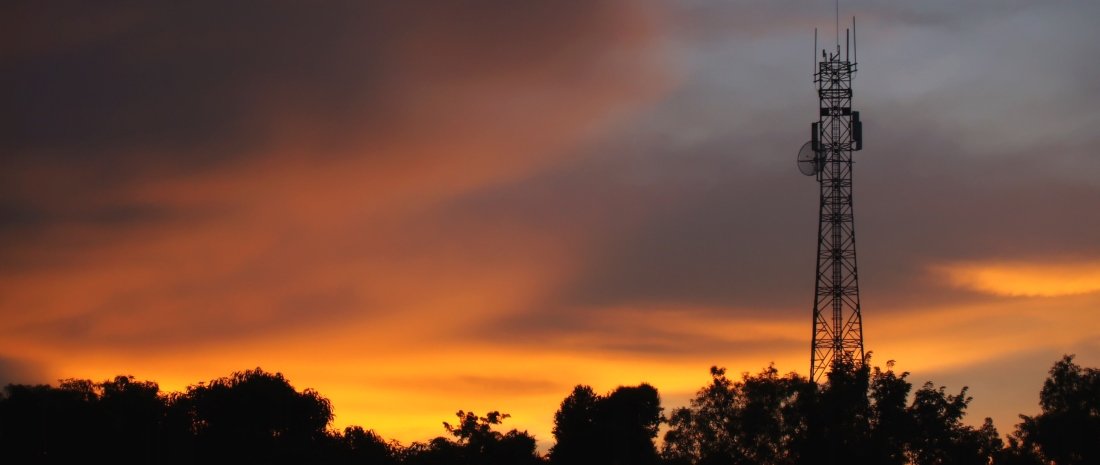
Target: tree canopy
point(1068, 430)
point(618, 428)
point(860, 415)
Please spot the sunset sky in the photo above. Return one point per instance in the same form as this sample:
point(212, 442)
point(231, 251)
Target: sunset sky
point(421, 207)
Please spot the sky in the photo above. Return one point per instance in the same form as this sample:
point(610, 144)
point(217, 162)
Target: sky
point(421, 207)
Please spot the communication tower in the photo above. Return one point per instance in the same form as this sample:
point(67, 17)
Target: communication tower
point(837, 322)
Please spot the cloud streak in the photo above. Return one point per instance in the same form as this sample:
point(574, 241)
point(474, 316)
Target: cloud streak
point(1025, 279)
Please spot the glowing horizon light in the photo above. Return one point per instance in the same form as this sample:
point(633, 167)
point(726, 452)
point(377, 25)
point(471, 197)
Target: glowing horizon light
point(1021, 279)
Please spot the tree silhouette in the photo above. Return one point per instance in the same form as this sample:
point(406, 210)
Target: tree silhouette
point(253, 415)
point(476, 443)
point(856, 417)
point(132, 412)
point(1019, 453)
point(1068, 430)
point(472, 429)
point(631, 415)
point(890, 423)
point(859, 415)
point(757, 420)
point(840, 423)
point(359, 446)
point(939, 435)
point(79, 420)
point(38, 423)
point(615, 429)
point(575, 429)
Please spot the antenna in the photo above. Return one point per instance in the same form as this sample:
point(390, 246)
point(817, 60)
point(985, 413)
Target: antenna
point(838, 27)
point(809, 161)
point(855, 45)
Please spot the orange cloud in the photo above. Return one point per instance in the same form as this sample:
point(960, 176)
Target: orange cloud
point(326, 239)
point(1024, 279)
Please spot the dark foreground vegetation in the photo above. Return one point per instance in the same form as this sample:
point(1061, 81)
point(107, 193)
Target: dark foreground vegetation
point(859, 416)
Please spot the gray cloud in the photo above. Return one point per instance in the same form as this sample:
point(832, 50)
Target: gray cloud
point(698, 202)
point(18, 371)
point(705, 228)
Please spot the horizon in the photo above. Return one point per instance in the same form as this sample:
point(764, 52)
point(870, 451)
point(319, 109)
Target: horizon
point(417, 210)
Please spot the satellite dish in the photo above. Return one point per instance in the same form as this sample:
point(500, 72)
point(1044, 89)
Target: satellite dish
point(809, 162)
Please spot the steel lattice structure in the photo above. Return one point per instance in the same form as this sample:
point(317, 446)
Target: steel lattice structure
point(837, 322)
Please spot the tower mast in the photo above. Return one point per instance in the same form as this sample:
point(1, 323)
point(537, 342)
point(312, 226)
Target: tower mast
point(837, 321)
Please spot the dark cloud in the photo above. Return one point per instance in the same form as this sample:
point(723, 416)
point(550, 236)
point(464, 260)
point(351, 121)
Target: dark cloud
point(199, 173)
point(17, 218)
point(129, 91)
point(201, 80)
point(170, 79)
point(17, 371)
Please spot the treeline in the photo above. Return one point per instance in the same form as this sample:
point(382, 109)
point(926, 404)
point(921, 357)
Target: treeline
point(858, 416)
